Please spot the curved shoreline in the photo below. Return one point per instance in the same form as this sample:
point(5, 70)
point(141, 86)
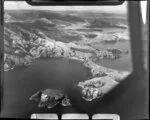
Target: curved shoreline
point(47, 48)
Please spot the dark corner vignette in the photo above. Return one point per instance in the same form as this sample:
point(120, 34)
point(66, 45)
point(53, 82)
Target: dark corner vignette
point(1, 51)
point(70, 3)
point(74, 2)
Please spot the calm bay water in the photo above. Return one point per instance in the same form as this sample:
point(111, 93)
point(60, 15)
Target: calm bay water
point(124, 63)
point(21, 83)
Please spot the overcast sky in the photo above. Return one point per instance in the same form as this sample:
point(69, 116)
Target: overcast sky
point(9, 5)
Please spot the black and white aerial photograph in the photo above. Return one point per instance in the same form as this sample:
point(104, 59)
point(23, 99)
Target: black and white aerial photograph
point(62, 58)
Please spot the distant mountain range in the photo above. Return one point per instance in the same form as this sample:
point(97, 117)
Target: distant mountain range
point(29, 25)
point(24, 15)
point(68, 16)
point(32, 24)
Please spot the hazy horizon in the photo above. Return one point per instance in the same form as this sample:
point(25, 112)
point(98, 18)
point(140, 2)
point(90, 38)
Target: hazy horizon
point(17, 5)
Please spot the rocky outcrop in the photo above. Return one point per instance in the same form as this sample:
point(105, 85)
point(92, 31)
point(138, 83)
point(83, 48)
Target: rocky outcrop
point(96, 87)
point(49, 98)
point(11, 61)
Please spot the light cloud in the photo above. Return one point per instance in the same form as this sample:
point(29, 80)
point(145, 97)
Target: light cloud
point(9, 5)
